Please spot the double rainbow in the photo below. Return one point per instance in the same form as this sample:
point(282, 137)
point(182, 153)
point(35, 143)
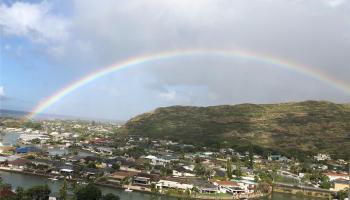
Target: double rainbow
point(139, 60)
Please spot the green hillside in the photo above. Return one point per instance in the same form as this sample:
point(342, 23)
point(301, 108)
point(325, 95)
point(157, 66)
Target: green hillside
point(289, 128)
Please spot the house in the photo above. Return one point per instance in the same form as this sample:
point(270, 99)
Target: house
point(340, 184)
point(182, 174)
point(105, 150)
point(90, 159)
point(154, 160)
point(277, 158)
point(334, 166)
point(27, 149)
point(117, 160)
point(27, 138)
point(208, 189)
point(219, 173)
point(89, 172)
point(119, 176)
point(322, 157)
point(333, 176)
point(19, 163)
point(3, 159)
point(42, 162)
point(247, 185)
point(205, 187)
point(172, 184)
point(228, 187)
point(140, 180)
point(66, 171)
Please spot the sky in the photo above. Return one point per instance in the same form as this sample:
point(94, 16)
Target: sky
point(47, 45)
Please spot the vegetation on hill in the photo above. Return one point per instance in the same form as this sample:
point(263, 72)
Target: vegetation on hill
point(294, 129)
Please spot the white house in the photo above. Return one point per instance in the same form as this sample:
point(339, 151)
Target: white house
point(183, 174)
point(228, 187)
point(322, 157)
point(157, 160)
point(173, 184)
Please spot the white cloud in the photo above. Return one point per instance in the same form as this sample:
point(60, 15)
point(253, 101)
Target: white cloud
point(34, 21)
point(2, 91)
point(168, 96)
point(335, 3)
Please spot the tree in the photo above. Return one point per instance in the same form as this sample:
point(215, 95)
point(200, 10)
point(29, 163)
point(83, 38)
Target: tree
point(115, 166)
point(125, 181)
point(40, 192)
point(234, 158)
point(20, 193)
point(251, 157)
point(341, 195)
point(265, 176)
point(295, 169)
point(263, 187)
point(63, 191)
point(318, 178)
point(238, 171)
point(35, 141)
point(325, 182)
point(154, 188)
point(110, 196)
point(199, 170)
point(147, 165)
point(91, 165)
point(88, 192)
point(195, 190)
point(166, 170)
point(229, 169)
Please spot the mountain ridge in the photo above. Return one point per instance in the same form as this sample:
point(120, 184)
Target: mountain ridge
point(292, 128)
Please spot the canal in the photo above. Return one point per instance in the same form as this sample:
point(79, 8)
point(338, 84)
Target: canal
point(26, 181)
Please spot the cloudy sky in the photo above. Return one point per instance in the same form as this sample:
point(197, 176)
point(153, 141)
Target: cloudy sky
point(46, 45)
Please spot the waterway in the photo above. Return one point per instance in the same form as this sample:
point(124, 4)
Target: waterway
point(9, 139)
point(26, 181)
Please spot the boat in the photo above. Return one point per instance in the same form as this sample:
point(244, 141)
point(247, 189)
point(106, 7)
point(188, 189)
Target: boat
point(128, 190)
point(53, 179)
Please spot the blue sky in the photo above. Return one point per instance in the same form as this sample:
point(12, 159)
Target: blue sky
point(46, 45)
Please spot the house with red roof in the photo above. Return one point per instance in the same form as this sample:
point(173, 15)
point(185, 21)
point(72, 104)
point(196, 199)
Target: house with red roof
point(335, 175)
point(19, 163)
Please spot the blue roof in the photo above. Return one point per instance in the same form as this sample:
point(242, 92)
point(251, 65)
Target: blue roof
point(27, 149)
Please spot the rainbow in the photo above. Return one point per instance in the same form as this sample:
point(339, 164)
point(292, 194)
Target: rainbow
point(139, 60)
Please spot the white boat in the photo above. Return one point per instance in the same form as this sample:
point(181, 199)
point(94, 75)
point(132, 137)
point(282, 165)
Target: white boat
point(128, 190)
point(53, 179)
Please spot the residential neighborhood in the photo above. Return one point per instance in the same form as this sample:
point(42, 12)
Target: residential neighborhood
point(89, 152)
